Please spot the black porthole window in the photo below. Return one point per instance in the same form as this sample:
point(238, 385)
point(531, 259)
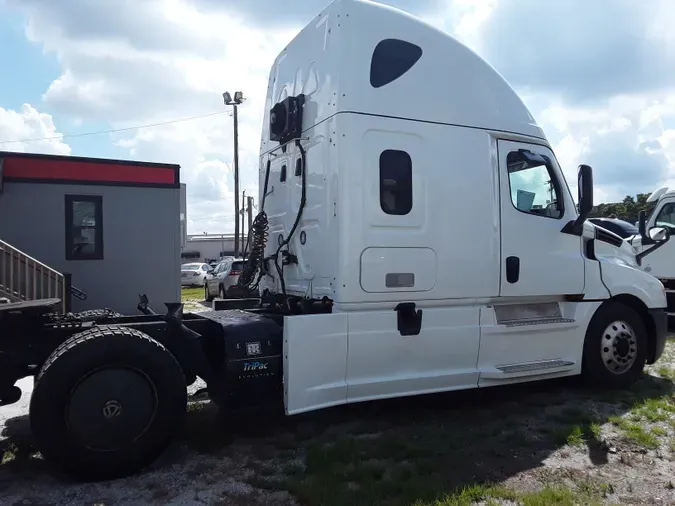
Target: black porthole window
point(396, 194)
point(391, 59)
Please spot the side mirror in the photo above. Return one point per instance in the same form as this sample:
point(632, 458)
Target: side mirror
point(658, 234)
point(655, 235)
point(585, 189)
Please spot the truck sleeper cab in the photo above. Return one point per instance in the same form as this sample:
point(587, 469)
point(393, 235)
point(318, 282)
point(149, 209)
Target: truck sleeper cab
point(379, 131)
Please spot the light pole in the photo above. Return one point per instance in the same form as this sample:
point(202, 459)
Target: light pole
point(243, 215)
point(238, 99)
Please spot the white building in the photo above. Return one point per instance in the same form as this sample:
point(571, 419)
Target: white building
point(207, 248)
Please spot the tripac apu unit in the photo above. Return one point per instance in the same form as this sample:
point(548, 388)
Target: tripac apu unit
point(286, 119)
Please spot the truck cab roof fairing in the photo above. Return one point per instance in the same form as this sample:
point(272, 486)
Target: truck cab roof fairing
point(330, 60)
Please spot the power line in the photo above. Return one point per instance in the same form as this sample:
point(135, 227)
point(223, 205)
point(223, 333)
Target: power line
point(114, 130)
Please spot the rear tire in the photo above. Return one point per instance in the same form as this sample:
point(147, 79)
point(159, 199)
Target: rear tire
point(207, 296)
point(107, 403)
point(221, 292)
point(615, 347)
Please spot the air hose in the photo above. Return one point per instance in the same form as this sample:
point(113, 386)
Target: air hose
point(257, 239)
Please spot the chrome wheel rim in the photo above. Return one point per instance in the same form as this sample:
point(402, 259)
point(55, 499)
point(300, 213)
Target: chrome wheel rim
point(618, 347)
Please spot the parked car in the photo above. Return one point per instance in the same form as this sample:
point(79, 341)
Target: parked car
point(194, 274)
point(222, 282)
point(621, 228)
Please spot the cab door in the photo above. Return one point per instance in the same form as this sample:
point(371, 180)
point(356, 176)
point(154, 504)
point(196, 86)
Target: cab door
point(661, 262)
point(537, 258)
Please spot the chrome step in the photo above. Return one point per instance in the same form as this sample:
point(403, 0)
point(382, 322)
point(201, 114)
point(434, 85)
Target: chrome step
point(534, 366)
point(537, 321)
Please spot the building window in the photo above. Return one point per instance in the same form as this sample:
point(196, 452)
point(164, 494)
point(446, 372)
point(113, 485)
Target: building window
point(396, 196)
point(391, 59)
point(84, 227)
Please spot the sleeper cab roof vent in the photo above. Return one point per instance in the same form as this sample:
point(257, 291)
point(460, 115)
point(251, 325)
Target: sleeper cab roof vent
point(391, 59)
point(286, 119)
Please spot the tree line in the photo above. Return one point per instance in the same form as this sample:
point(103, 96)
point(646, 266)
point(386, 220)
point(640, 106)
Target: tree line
point(628, 209)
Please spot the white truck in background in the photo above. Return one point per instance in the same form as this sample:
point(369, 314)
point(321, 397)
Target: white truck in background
point(379, 131)
point(660, 262)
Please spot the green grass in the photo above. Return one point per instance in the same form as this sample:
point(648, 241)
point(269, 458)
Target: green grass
point(549, 496)
point(424, 465)
point(639, 425)
point(192, 294)
point(443, 458)
point(576, 436)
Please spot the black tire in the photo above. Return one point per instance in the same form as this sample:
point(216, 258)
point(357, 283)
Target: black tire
point(615, 347)
point(77, 411)
point(207, 296)
point(97, 314)
point(222, 294)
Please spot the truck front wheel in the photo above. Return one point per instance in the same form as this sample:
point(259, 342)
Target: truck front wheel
point(615, 348)
point(107, 403)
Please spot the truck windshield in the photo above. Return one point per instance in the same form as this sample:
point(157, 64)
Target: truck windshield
point(666, 216)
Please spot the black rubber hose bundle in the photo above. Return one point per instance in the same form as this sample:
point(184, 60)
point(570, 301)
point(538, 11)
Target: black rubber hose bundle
point(257, 239)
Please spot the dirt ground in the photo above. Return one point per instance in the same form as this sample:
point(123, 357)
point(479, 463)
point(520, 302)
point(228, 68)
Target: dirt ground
point(551, 443)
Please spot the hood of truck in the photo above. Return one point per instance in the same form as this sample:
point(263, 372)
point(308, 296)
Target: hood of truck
point(610, 247)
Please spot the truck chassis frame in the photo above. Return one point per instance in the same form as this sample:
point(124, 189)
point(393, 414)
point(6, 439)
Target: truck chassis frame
point(79, 412)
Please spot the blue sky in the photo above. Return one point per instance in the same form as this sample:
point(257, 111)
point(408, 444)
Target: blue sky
point(32, 73)
point(598, 76)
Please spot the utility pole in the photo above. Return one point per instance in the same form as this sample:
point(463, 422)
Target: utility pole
point(243, 209)
point(238, 99)
point(249, 209)
point(250, 213)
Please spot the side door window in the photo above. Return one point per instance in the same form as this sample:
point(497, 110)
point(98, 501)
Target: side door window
point(224, 267)
point(666, 217)
point(534, 189)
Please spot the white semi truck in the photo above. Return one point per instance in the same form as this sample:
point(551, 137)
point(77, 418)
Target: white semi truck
point(383, 142)
point(661, 259)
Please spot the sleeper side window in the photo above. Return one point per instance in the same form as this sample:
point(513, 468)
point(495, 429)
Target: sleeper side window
point(396, 194)
point(534, 187)
point(84, 227)
point(391, 59)
point(666, 217)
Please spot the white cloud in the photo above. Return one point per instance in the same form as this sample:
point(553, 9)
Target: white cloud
point(623, 139)
point(127, 65)
point(28, 123)
point(129, 62)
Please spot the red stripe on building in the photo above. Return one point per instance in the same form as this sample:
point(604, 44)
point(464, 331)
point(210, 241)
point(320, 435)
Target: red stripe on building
point(38, 168)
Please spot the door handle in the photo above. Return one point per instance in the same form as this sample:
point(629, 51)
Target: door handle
point(512, 269)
